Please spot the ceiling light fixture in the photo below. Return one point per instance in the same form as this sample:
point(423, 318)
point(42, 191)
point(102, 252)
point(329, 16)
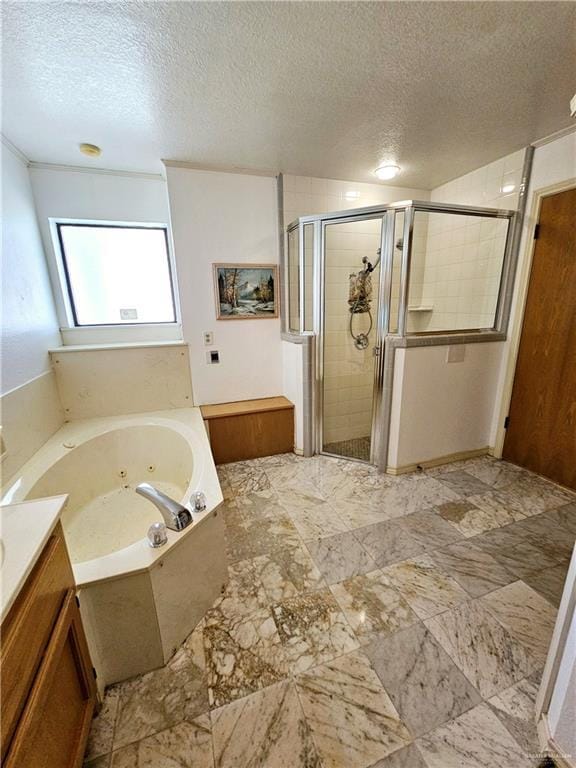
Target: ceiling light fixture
point(507, 188)
point(385, 172)
point(90, 149)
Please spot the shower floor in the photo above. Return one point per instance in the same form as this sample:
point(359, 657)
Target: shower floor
point(357, 448)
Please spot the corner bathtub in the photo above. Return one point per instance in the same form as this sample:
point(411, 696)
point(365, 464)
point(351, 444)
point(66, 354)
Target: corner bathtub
point(138, 603)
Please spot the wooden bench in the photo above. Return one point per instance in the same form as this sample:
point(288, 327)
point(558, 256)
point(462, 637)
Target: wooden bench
point(249, 429)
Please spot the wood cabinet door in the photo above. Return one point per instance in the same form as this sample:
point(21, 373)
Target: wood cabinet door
point(54, 726)
point(541, 433)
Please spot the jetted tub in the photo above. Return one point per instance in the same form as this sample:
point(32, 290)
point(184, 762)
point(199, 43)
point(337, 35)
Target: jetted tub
point(138, 603)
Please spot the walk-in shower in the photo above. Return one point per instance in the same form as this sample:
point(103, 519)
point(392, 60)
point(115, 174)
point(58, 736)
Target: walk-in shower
point(366, 281)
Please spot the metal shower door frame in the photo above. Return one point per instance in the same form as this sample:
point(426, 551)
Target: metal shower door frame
point(386, 216)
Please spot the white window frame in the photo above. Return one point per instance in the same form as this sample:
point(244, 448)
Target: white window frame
point(120, 333)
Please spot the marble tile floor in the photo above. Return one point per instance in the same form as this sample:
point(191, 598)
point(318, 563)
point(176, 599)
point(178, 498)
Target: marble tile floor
point(369, 621)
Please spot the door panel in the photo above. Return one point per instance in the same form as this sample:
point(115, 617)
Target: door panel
point(350, 335)
point(541, 435)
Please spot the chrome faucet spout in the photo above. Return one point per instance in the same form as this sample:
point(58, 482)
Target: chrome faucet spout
point(176, 516)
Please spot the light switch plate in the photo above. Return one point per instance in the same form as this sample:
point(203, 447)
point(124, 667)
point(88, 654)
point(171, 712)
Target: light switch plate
point(456, 353)
point(208, 338)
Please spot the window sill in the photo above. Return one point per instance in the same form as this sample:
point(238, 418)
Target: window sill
point(122, 345)
point(115, 335)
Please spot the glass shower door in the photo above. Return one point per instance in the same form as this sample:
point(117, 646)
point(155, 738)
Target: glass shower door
point(351, 285)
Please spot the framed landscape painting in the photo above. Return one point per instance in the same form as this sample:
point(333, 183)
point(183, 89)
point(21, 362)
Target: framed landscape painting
point(246, 291)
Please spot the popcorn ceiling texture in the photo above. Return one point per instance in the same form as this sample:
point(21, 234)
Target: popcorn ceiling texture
point(316, 89)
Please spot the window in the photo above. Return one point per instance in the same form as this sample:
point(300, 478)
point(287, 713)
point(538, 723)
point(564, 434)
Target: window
point(117, 274)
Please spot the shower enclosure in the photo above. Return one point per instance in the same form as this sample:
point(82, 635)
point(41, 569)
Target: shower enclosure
point(365, 281)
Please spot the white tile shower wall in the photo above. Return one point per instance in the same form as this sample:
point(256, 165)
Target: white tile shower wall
point(464, 255)
point(348, 372)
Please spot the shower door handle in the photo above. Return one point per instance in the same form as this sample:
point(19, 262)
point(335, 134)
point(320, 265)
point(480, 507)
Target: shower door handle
point(376, 351)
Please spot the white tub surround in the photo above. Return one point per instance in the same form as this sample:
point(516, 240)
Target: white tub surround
point(138, 603)
point(115, 379)
point(24, 530)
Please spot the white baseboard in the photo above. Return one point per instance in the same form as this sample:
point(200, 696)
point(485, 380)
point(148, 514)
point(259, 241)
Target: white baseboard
point(448, 459)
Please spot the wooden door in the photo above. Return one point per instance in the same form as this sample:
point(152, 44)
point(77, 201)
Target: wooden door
point(541, 433)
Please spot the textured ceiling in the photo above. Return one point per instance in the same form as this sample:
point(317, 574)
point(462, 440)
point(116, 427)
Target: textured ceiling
point(326, 89)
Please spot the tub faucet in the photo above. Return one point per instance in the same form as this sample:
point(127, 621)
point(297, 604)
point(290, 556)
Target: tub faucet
point(175, 515)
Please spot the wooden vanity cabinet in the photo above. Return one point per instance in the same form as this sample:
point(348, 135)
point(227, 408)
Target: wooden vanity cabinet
point(48, 687)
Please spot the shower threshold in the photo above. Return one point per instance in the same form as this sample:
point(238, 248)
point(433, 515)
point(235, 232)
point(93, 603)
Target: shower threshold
point(357, 448)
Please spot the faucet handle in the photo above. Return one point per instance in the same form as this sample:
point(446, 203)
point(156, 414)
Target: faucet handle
point(157, 535)
point(199, 501)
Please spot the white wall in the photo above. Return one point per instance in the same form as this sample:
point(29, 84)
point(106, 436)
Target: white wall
point(31, 410)
point(554, 165)
point(225, 217)
point(29, 323)
point(73, 194)
point(441, 408)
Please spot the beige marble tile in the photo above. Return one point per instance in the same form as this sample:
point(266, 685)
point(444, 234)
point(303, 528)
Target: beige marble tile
point(424, 586)
point(549, 582)
point(258, 505)
point(245, 477)
point(186, 745)
point(554, 540)
point(352, 718)
point(510, 547)
point(408, 494)
point(516, 709)
point(371, 606)
point(526, 615)
point(160, 699)
point(565, 516)
point(264, 730)
point(430, 530)
point(495, 472)
point(427, 688)
point(388, 542)
point(477, 514)
point(533, 494)
point(475, 570)
point(340, 557)
point(286, 573)
point(250, 533)
point(244, 593)
point(407, 757)
point(463, 483)
point(313, 477)
point(490, 657)
point(102, 728)
point(313, 629)
point(476, 739)
point(312, 516)
point(243, 655)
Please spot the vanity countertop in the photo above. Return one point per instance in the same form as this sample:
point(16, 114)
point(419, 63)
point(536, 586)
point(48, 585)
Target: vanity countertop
point(24, 530)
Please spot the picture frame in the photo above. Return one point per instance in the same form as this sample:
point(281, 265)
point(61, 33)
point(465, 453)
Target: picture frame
point(246, 291)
